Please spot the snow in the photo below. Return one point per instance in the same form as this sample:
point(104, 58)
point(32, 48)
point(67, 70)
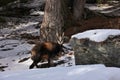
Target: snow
point(37, 13)
point(12, 51)
point(35, 3)
point(97, 35)
point(109, 11)
point(20, 29)
point(105, 9)
point(9, 44)
point(83, 72)
point(96, 7)
point(11, 58)
point(19, 49)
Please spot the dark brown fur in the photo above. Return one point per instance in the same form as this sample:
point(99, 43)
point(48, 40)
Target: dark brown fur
point(45, 51)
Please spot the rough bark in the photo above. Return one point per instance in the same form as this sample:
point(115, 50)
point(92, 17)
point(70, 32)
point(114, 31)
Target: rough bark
point(78, 9)
point(54, 20)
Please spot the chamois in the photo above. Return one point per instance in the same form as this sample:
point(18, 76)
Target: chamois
point(45, 51)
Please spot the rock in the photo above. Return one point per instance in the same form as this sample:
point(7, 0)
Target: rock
point(107, 10)
point(90, 52)
point(22, 7)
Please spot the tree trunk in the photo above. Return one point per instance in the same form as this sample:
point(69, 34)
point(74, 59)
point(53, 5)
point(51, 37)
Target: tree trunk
point(58, 17)
point(54, 20)
point(78, 9)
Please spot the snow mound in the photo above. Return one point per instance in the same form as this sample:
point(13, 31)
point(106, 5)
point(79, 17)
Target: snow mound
point(97, 35)
point(83, 72)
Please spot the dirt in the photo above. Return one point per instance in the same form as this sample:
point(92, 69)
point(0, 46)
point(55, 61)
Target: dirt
point(94, 23)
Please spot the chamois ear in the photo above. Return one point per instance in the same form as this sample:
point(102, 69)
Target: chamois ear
point(60, 37)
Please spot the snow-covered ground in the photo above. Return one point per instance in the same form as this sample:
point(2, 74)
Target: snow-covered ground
point(20, 29)
point(13, 50)
point(83, 72)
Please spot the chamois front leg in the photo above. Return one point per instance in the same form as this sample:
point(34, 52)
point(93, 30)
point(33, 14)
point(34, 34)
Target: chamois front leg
point(50, 62)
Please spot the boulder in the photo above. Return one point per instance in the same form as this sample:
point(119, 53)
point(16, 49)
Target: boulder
point(105, 52)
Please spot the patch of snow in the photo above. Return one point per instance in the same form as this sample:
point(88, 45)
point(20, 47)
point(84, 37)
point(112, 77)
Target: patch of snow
point(97, 35)
point(13, 62)
point(11, 51)
point(5, 31)
point(37, 13)
point(15, 47)
point(69, 59)
point(35, 32)
point(25, 26)
point(109, 11)
point(34, 3)
point(28, 28)
point(20, 29)
point(95, 7)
